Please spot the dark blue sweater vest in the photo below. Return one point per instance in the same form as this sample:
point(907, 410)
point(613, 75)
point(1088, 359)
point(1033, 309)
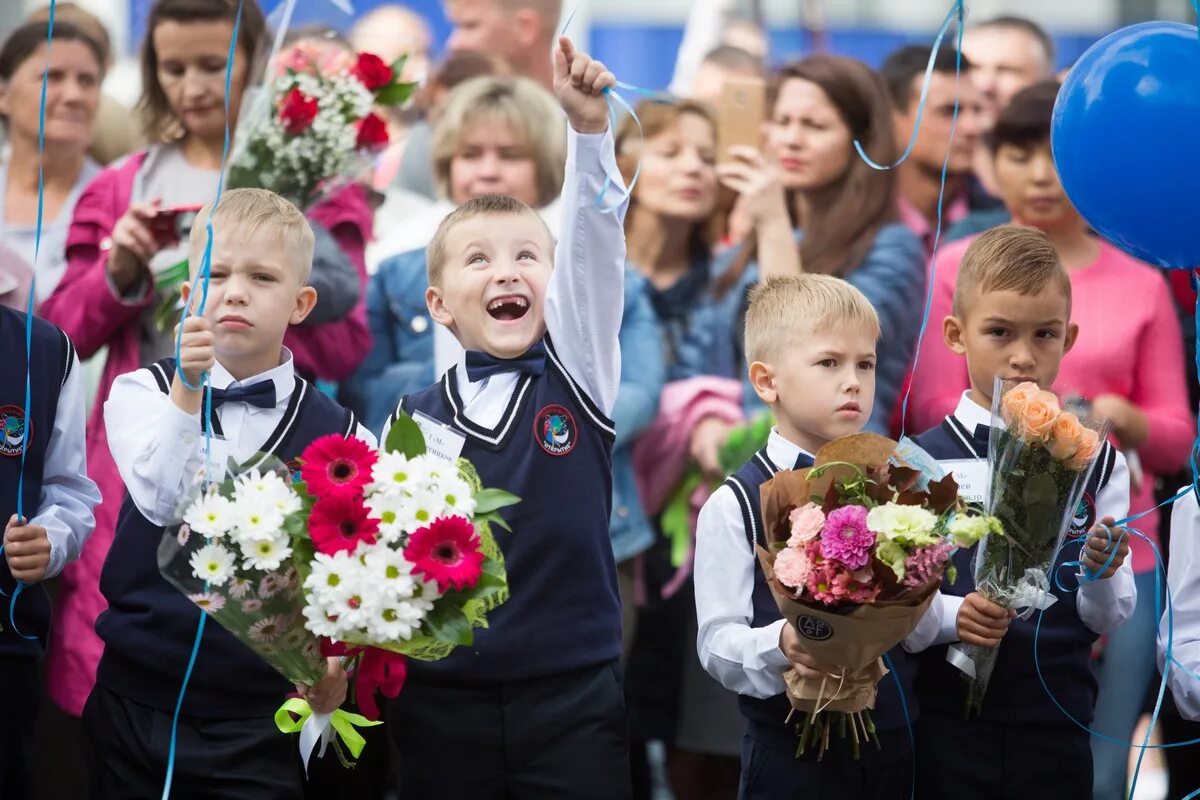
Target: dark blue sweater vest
point(553, 449)
point(769, 714)
point(1064, 643)
point(52, 358)
point(150, 626)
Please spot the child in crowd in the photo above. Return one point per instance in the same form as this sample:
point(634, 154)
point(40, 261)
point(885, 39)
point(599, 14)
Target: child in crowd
point(1012, 312)
point(227, 743)
point(43, 438)
point(535, 702)
point(810, 341)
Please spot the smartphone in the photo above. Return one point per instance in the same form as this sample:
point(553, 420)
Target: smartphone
point(740, 114)
point(172, 225)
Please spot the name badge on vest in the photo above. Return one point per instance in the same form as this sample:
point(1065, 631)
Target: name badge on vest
point(971, 474)
point(440, 440)
point(216, 459)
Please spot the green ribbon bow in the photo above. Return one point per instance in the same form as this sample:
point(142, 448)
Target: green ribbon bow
point(344, 723)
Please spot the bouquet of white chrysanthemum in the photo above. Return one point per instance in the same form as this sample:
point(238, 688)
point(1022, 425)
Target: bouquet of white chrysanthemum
point(371, 556)
point(315, 124)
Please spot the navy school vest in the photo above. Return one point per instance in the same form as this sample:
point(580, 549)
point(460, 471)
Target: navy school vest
point(149, 626)
point(552, 448)
point(768, 715)
point(53, 356)
point(1015, 695)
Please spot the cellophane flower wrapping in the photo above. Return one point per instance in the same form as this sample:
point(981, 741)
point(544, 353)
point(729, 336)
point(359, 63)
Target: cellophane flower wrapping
point(379, 556)
point(314, 113)
point(856, 549)
point(1040, 458)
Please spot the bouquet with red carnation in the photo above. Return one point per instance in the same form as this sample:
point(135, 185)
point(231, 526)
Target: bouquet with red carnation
point(313, 123)
point(856, 548)
point(373, 556)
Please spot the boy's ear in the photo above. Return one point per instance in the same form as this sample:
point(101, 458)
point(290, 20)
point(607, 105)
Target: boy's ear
point(952, 332)
point(1069, 339)
point(762, 378)
point(306, 300)
point(437, 307)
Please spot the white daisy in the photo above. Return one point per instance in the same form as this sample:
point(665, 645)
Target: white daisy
point(395, 622)
point(420, 510)
point(257, 518)
point(268, 487)
point(211, 515)
point(212, 602)
point(424, 594)
point(239, 587)
point(456, 496)
point(318, 622)
point(267, 554)
point(394, 473)
point(331, 578)
point(389, 510)
point(389, 570)
point(212, 563)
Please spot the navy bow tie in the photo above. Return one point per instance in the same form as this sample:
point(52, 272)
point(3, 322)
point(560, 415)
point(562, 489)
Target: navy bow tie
point(261, 394)
point(481, 365)
point(981, 436)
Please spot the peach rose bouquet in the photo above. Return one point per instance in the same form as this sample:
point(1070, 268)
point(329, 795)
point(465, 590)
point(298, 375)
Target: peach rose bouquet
point(1040, 457)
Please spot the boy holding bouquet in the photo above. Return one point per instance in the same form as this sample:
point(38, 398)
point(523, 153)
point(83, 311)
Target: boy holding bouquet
point(1012, 310)
point(227, 744)
point(811, 343)
point(534, 706)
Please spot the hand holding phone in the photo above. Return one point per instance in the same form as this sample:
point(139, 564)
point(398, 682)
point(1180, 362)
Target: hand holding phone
point(740, 115)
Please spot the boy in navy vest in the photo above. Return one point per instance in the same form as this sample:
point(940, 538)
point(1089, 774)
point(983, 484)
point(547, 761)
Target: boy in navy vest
point(1012, 312)
point(534, 707)
point(227, 744)
point(57, 500)
point(811, 343)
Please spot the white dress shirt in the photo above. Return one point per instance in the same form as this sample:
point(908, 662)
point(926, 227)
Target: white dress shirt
point(68, 495)
point(1183, 579)
point(585, 298)
point(1103, 605)
point(742, 658)
point(159, 448)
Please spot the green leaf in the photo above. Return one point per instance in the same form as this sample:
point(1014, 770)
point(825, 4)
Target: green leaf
point(489, 500)
point(294, 524)
point(398, 65)
point(487, 586)
point(496, 519)
point(395, 94)
point(405, 437)
point(677, 518)
point(449, 624)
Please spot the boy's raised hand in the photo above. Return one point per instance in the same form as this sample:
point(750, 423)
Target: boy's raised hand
point(27, 550)
point(1100, 545)
point(579, 83)
point(982, 622)
point(196, 354)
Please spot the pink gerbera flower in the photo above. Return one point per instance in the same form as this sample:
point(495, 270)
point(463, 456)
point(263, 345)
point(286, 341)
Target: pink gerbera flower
point(340, 522)
point(337, 464)
point(846, 537)
point(447, 552)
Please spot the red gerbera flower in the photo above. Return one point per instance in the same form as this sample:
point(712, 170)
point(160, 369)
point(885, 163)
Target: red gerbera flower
point(337, 464)
point(446, 551)
point(339, 522)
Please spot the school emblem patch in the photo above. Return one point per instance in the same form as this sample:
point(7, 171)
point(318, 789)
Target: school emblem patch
point(1084, 517)
point(13, 418)
point(554, 429)
point(812, 628)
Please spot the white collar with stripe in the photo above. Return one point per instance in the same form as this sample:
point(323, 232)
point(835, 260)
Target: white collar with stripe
point(783, 453)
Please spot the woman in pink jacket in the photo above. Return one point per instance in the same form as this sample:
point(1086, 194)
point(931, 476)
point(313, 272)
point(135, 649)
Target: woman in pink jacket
point(116, 291)
point(1127, 364)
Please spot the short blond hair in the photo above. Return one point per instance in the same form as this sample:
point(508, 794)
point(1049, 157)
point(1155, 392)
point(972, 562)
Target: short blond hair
point(525, 108)
point(1010, 258)
point(784, 309)
point(248, 210)
point(487, 205)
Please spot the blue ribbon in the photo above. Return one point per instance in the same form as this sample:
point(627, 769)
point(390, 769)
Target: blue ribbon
point(37, 246)
point(956, 13)
point(205, 277)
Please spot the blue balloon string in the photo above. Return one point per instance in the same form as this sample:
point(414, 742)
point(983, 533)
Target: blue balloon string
point(912, 739)
point(956, 13)
point(206, 277)
point(37, 246)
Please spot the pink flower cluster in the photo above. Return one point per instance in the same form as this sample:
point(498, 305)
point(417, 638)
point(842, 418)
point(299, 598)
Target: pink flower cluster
point(827, 556)
point(926, 562)
point(832, 582)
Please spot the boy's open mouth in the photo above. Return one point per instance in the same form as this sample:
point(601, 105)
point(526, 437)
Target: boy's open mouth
point(508, 308)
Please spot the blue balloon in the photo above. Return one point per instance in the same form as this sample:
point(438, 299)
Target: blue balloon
point(1126, 141)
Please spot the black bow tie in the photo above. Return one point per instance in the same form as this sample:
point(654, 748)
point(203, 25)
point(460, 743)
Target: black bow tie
point(980, 438)
point(482, 365)
point(261, 394)
point(803, 461)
